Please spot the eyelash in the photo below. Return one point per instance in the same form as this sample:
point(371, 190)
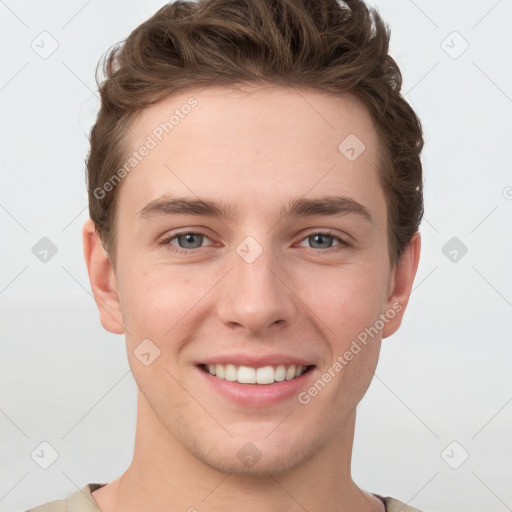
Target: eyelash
point(167, 241)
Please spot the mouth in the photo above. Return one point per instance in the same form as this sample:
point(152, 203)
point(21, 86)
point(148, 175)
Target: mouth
point(264, 375)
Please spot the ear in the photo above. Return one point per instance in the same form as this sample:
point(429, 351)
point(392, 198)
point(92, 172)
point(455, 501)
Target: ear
point(103, 280)
point(400, 285)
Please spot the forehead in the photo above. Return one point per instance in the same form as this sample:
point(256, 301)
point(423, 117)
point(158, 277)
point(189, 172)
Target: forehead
point(253, 144)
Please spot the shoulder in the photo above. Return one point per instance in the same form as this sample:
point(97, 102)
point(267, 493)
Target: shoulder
point(79, 501)
point(51, 506)
point(394, 505)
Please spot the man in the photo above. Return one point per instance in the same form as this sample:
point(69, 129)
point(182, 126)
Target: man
point(255, 194)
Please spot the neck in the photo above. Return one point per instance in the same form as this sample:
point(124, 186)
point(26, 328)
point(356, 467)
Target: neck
point(164, 476)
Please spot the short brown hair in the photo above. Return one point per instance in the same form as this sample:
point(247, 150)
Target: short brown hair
point(325, 45)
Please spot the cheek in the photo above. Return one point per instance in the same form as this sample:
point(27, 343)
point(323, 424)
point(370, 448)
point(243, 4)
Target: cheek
point(156, 307)
point(153, 301)
point(346, 298)
point(166, 304)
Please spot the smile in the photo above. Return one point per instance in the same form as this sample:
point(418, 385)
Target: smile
point(250, 375)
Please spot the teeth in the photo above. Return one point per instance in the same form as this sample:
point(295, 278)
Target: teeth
point(219, 371)
point(248, 375)
point(280, 373)
point(290, 372)
point(230, 373)
point(265, 375)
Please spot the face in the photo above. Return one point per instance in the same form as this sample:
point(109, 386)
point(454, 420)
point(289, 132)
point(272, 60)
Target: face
point(252, 244)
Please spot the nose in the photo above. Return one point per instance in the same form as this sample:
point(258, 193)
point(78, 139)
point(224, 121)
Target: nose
point(255, 296)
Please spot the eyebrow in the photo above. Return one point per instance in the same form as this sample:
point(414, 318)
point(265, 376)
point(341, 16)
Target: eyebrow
point(296, 207)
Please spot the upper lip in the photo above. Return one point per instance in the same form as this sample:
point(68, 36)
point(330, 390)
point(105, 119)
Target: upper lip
point(257, 361)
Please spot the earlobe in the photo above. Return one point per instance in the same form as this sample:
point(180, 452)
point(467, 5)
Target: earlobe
point(103, 280)
point(401, 282)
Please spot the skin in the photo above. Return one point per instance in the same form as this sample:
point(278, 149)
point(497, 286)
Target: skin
point(253, 148)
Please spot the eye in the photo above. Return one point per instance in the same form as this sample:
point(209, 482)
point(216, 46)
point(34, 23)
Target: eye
point(185, 240)
point(324, 240)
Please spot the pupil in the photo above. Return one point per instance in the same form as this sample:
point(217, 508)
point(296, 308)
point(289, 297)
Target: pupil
point(191, 240)
point(321, 239)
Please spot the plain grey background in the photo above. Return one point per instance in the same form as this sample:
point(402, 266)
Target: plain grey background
point(435, 427)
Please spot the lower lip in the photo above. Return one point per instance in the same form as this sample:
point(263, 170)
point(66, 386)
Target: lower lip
point(257, 395)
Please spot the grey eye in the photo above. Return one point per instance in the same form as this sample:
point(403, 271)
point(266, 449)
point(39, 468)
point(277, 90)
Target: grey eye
point(320, 241)
point(190, 240)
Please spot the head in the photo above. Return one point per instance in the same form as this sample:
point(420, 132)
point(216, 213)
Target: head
point(264, 113)
point(337, 48)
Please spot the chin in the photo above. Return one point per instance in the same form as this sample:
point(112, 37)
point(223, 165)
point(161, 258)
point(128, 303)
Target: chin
point(254, 460)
